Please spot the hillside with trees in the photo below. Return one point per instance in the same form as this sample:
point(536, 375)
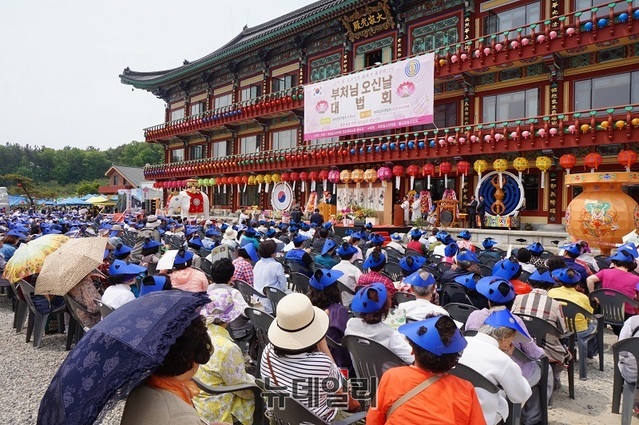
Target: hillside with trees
point(52, 173)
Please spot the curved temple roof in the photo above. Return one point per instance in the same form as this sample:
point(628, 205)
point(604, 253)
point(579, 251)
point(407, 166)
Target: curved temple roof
point(249, 38)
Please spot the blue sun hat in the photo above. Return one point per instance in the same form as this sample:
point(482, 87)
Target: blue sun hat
point(50, 231)
point(369, 226)
point(350, 250)
point(503, 318)
point(15, 233)
point(418, 262)
point(489, 288)
point(305, 226)
point(451, 249)
point(251, 251)
point(416, 233)
point(466, 255)
point(506, 268)
point(211, 232)
point(425, 334)
point(270, 232)
point(121, 249)
point(544, 277)
point(120, 267)
point(190, 230)
point(370, 261)
point(153, 284)
point(489, 243)
point(622, 255)
point(468, 281)
point(328, 245)
point(299, 239)
point(396, 237)
point(183, 259)
point(536, 248)
point(358, 235)
point(250, 232)
point(573, 248)
point(323, 278)
point(376, 239)
point(464, 234)
point(562, 276)
point(150, 244)
point(195, 240)
point(442, 235)
point(327, 225)
point(348, 232)
point(362, 304)
point(223, 227)
point(630, 247)
point(416, 279)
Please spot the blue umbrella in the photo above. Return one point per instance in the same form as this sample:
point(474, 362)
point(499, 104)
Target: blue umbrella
point(116, 355)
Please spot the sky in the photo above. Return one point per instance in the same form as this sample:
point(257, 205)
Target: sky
point(60, 61)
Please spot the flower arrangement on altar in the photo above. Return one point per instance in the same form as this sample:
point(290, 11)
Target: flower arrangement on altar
point(359, 213)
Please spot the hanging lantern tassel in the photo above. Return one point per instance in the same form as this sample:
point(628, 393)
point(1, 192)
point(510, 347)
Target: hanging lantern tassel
point(428, 182)
point(412, 182)
point(445, 181)
point(224, 188)
point(244, 190)
point(519, 172)
point(463, 180)
point(238, 188)
point(303, 186)
point(313, 186)
point(501, 181)
point(397, 182)
point(267, 186)
point(568, 170)
point(334, 188)
point(259, 188)
point(543, 179)
point(325, 183)
point(294, 185)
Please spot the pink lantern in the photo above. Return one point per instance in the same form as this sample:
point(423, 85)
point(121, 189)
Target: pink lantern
point(553, 131)
point(487, 51)
point(541, 132)
point(513, 135)
point(498, 47)
point(525, 134)
point(454, 58)
point(463, 56)
point(462, 140)
point(572, 128)
point(442, 142)
point(473, 139)
point(553, 34)
point(569, 31)
point(514, 44)
point(384, 173)
point(477, 53)
point(333, 177)
point(450, 139)
point(541, 38)
point(525, 41)
point(487, 138)
point(499, 136)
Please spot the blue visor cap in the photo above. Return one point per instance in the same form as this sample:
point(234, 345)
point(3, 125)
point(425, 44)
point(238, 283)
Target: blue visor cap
point(152, 284)
point(369, 225)
point(120, 267)
point(468, 281)
point(358, 235)
point(536, 248)
point(298, 239)
point(620, 255)
point(350, 250)
point(211, 232)
point(305, 227)
point(416, 279)
point(270, 233)
point(183, 259)
point(323, 278)
point(467, 256)
point(416, 233)
point(251, 251)
point(562, 276)
point(442, 236)
point(396, 237)
point(503, 318)
point(250, 232)
point(328, 245)
point(489, 243)
point(376, 239)
point(506, 269)
point(121, 250)
point(425, 335)
point(489, 288)
point(573, 248)
point(370, 261)
point(544, 277)
point(327, 225)
point(451, 249)
point(150, 244)
point(464, 234)
point(631, 248)
point(417, 263)
point(196, 241)
point(190, 230)
point(362, 304)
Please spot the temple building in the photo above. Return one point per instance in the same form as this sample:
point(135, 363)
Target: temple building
point(524, 92)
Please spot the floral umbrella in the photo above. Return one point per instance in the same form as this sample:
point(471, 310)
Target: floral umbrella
point(29, 257)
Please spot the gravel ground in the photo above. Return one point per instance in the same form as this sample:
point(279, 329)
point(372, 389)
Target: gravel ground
point(29, 371)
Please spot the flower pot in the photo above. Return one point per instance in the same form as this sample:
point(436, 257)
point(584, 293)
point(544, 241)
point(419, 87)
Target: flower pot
point(372, 220)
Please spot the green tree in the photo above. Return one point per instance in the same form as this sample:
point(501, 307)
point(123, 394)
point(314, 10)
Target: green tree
point(85, 188)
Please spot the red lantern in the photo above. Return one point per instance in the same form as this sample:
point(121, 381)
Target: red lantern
point(428, 170)
point(445, 168)
point(285, 177)
point(626, 158)
point(412, 171)
point(568, 161)
point(398, 172)
point(294, 177)
point(323, 176)
point(593, 161)
point(237, 181)
point(463, 167)
point(314, 177)
point(303, 178)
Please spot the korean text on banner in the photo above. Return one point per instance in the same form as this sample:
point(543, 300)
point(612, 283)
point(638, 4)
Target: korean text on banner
point(395, 95)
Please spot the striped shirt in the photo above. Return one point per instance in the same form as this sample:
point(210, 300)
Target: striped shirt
point(371, 277)
point(304, 376)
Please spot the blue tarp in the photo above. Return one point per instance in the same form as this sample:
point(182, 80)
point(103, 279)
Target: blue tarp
point(72, 201)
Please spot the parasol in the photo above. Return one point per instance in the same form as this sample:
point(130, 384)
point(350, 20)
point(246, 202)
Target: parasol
point(116, 355)
point(67, 266)
point(29, 257)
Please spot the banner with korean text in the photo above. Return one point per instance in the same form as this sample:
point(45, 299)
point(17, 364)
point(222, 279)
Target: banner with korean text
point(396, 95)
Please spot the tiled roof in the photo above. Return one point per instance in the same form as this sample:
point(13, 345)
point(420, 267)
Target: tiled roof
point(249, 38)
point(133, 175)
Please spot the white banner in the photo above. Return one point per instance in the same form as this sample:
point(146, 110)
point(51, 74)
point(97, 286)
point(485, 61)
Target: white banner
point(395, 95)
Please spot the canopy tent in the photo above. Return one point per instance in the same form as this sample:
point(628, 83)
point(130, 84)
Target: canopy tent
point(90, 195)
point(94, 200)
point(72, 201)
point(16, 200)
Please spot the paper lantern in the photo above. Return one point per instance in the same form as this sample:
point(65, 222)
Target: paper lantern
point(480, 166)
point(259, 179)
point(500, 165)
point(428, 170)
point(268, 179)
point(413, 171)
point(626, 157)
point(276, 178)
point(543, 163)
point(593, 161)
point(286, 177)
point(294, 177)
point(245, 180)
point(384, 173)
point(567, 161)
point(323, 176)
point(463, 167)
point(445, 168)
point(345, 176)
point(303, 178)
point(358, 176)
point(370, 176)
point(521, 164)
point(333, 177)
point(314, 177)
point(398, 172)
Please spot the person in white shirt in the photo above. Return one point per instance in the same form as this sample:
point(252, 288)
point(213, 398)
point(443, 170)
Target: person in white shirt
point(373, 304)
point(268, 272)
point(395, 243)
point(356, 237)
point(524, 256)
point(422, 285)
point(376, 240)
point(121, 277)
point(489, 354)
point(351, 274)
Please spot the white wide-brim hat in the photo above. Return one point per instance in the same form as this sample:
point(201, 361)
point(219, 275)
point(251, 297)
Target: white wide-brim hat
point(229, 234)
point(297, 325)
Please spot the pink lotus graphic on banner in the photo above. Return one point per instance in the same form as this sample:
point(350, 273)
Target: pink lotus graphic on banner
point(394, 95)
